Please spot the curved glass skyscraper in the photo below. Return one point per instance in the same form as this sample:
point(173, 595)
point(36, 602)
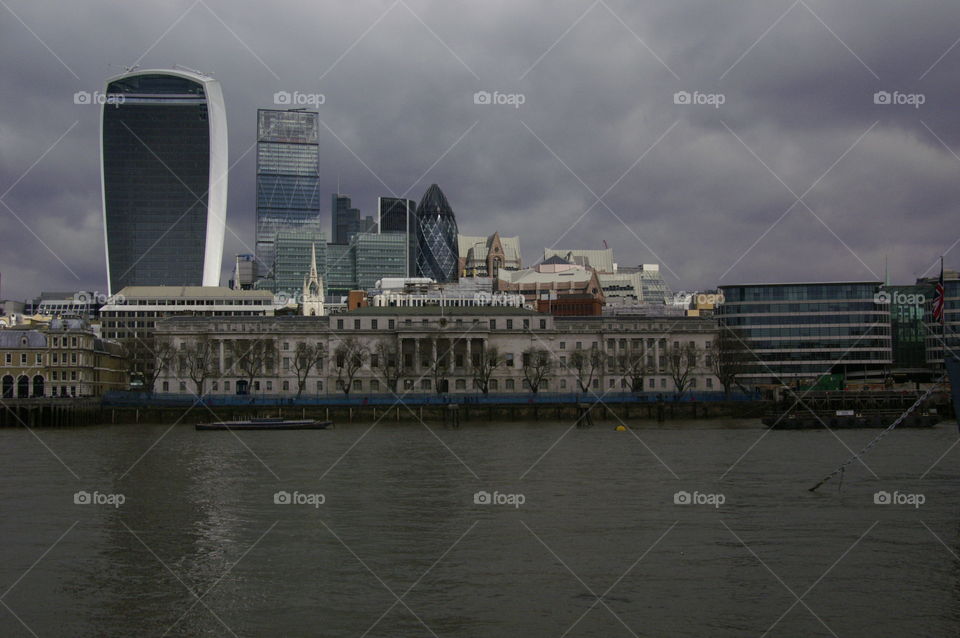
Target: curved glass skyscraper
point(163, 154)
point(437, 254)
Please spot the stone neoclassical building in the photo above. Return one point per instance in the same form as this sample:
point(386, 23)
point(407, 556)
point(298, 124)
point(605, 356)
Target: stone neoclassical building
point(429, 349)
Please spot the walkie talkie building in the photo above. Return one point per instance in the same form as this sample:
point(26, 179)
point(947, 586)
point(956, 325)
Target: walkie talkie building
point(163, 154)
point(437, 251)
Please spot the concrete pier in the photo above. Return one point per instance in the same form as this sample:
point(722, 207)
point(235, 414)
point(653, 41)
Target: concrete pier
point(50, 412)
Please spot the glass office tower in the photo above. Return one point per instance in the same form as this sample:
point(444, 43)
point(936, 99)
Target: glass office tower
point(395, 215)
point(346, 221)
point(287, 177)
point(437, 251)
point(798, 332)
point(377, 256)
point(294, 251)
point(163, 154)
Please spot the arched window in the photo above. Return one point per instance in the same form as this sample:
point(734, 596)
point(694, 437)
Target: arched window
point(38, 386)
point(8, 387)
point(23, 387)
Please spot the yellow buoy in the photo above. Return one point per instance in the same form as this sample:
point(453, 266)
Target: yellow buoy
point(621, 428)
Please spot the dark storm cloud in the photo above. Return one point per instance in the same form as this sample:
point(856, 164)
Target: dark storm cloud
point(399, 107)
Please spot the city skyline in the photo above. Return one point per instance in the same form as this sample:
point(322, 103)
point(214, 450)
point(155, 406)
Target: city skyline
point(701, 191)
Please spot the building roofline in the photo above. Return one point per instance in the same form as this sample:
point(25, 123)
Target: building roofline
point(802, 283)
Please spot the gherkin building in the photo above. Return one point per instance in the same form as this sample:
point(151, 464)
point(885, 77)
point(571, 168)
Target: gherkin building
point(437, 255)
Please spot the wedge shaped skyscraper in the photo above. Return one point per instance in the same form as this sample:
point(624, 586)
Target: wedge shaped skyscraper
point(163, 154)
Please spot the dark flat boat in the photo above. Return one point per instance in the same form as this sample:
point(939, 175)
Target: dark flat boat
point(266, 424)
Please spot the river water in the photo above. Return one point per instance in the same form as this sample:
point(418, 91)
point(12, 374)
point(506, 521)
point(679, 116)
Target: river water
point(382, 535)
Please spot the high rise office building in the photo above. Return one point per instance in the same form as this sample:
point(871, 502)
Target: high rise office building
point(287, 177)
point(295, 247)
point(345, 221)
point(437, 251)
point(396, 215)
point(163, 153)
point(368, 258)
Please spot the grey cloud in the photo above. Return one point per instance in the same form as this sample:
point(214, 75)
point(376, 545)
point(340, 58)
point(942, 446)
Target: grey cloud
point(599, 99)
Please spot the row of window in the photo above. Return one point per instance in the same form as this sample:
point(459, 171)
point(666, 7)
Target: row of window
point(391, 324)
point(55, 358)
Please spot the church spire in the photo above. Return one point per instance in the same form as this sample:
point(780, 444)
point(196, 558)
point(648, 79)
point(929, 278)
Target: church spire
point(313, 289)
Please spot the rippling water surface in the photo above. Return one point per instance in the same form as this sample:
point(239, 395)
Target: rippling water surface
point(399, 547)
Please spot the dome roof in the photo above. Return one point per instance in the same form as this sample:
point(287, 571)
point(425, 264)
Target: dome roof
point(434, 202)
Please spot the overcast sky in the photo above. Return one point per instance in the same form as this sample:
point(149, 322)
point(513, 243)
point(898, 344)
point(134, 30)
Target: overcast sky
point(598, 150)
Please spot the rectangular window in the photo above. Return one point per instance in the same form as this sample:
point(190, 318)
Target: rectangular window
point(493, 324)
point(23, 358)
point(8, 358)
point(269, 385)
point(39, 359)
point(543, 324)
point(339, 324)
point(509, 324)
point(526, 324)
point(373, 324)
point(356, 324)
point(391, 324)
point(508, 359)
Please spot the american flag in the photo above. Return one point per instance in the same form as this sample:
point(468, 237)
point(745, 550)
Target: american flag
point(938, 294)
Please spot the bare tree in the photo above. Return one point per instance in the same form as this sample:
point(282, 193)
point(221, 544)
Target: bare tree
point(306, 356)
point(201, 357)
point(586, 364)
point(483, 365)
point(537, 366)
point(683, 362)
point(349, 356)
point(252, 357)
point(149, 357)
point(730, 358)
point(633, 364)
point(389, 363)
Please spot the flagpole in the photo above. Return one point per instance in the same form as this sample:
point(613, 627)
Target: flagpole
point(943, 315)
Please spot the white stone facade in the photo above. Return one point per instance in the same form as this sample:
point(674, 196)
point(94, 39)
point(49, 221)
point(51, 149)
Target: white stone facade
point(460, 335)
